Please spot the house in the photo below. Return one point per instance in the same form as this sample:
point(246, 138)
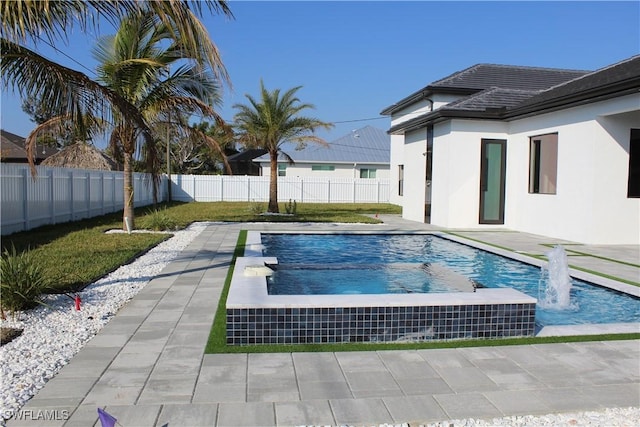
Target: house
point(546, 151)
point(363, 153)
point(12, 149)
point(243, 163)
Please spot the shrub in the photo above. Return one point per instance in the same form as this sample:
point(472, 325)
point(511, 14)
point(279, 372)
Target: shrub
point(158, 220)
point(291, 207)
point(22, 281)
point(256, 208)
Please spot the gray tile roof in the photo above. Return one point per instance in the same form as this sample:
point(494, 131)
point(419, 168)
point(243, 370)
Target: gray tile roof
point(494, 98)
point(484, 76)
point(364, 145)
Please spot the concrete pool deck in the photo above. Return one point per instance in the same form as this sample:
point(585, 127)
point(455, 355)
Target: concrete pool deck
point(147, 366)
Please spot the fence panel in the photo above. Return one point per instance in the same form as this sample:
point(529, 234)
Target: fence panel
point(62, 194)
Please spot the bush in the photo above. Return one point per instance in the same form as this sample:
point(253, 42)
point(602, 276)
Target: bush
point(256, 208)
point(291, 207)
point(158, 220)
point(22, 281)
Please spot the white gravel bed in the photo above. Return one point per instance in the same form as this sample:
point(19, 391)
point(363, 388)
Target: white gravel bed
point(54, 333)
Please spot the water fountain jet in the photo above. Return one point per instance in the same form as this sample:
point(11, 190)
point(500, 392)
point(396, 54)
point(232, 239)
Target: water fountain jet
point(555, 281)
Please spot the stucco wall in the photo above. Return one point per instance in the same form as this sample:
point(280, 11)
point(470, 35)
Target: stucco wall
point(396, 158)
point(591, 203)
point(415, 146)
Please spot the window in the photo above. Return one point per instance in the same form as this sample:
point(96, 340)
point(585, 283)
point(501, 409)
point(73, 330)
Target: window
point(543, 163)
point(633, 187)
point(282, 170)
point(323, 167)
point(400, 179)
point(367, 173)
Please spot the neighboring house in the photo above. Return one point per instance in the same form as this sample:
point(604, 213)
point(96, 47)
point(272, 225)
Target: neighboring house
point(545, 151)
point(243, 163)
point(363, 153)
point(12, 149)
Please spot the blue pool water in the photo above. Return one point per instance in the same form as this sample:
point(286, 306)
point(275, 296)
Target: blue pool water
point(380, 264)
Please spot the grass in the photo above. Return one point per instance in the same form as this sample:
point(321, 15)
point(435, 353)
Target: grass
point(75, 254)
point(217, 337)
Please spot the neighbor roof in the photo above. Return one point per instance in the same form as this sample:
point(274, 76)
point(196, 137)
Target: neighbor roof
point(13, 148)
point(364, 145)
point(484, 76)
point(502, 103)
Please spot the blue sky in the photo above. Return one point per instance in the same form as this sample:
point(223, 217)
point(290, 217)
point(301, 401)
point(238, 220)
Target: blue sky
point(353, 59)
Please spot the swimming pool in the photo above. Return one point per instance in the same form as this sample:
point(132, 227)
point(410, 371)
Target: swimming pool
point(384, 264)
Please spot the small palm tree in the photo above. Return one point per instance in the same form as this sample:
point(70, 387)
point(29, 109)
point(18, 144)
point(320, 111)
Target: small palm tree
point(272, 121)
point(136, 63)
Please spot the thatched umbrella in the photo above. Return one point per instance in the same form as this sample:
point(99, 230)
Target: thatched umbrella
point(81, 156)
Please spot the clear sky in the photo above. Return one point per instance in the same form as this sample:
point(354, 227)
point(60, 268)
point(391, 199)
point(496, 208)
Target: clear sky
point(353, 59)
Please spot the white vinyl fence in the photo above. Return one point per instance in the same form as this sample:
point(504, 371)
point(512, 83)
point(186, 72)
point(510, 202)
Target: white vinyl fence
point(58, 195)
point(217, 188)
point(63, 194)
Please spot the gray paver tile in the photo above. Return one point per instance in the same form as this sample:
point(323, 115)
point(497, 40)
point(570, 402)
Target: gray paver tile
point(360, 411)
point(317, 367)
point(445, 358)
point(414, 410)
point(135, 415)
point(83, 416)
point(60, 387)
point(104, 394)
point(324, 390)
point(619, 395)
point(173, 390)
point(407, 364)
point(192, 415)
point(220, 392)
point(248, 414)
point(567, 399)
point(467, 379)
point(372, 384)
point(316, 412)
point(360, 361)
point(422, 386)
point(212, 374)
point(519, 402)
point(467, 405)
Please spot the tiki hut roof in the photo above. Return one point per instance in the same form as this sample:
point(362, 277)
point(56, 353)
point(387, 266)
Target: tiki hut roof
point(81, 156)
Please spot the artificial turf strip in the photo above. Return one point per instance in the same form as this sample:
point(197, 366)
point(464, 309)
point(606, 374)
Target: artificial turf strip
point(217, 342)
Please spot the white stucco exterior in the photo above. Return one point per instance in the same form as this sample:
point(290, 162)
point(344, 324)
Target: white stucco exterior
point(590, 204)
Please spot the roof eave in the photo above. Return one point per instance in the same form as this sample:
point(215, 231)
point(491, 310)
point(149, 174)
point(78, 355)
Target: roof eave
point(580, 98)
point(425, 93)
point(442, 115)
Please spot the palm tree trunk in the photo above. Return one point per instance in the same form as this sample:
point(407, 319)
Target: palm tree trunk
point(273, 182)
point(128, 216)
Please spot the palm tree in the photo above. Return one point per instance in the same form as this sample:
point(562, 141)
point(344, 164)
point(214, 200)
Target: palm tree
point(71, 95)
point(136, 63)
point(272, 121)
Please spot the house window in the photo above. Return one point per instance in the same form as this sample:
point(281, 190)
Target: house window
point(323, 168)
point(367, 173)
point(282, 170)
point(400, 179)
point(633, 188)
point(543, 163)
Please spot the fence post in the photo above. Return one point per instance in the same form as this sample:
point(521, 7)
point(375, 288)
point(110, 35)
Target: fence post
point(377, 190)
point(354, 191)
point(301, 190)
point(328, 191)
point(248, 189)
point(52, 200)
point(25, 200)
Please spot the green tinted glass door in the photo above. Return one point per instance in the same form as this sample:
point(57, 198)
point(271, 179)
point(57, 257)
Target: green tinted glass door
point(492, 181)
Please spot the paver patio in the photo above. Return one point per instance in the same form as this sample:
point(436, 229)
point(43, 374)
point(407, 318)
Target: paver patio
point(147, 367)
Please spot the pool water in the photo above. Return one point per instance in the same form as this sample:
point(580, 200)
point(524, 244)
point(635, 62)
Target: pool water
point(380, 264)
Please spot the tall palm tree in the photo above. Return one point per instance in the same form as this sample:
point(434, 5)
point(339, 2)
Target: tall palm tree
point(72, 95)
point(273, 120)
point(136, 63)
